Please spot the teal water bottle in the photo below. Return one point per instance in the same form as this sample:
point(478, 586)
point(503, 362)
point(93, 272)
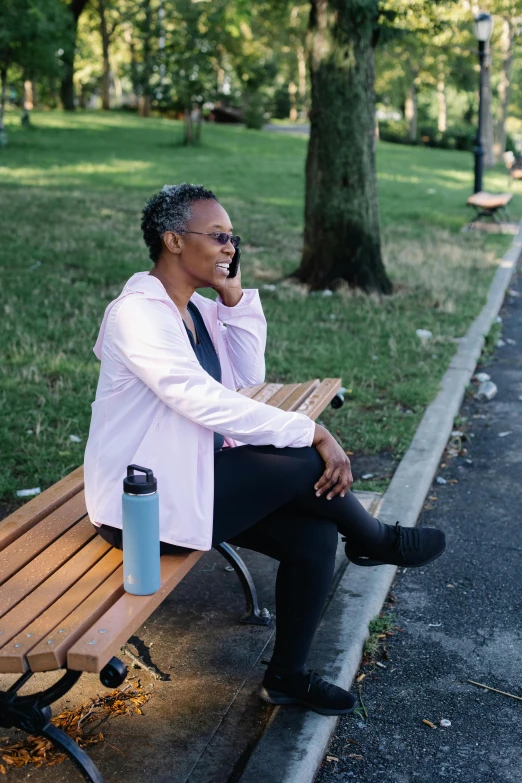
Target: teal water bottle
point(141, 536)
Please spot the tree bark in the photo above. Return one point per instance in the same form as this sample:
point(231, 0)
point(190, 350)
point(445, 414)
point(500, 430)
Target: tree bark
point(196, 120)
point(410, 112)
point(27, 103)
point(3, 93)
point(118, 89)
point(301, 70)
point(292, 90)
point(144, 106)
point(148, 33)
point(106, 72)
point(504, 87)
point(220, 79)
point(342, 234)
point(69, 46)
point(127, 34)
point(188, 135)
point(442, 120)
point(34, 88)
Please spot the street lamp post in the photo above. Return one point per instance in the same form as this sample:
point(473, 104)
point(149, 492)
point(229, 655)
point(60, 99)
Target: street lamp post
point(483, 28)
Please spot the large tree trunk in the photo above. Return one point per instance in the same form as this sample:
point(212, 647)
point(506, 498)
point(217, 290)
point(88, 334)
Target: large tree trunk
point(504, 87)
point(410, 112)
point(342, 235)
point(192, 126)
point(3, 93)
point(148, 33)
point(106, 72)
point(442, 119)
point(144, 106)
point(292, 90)
point(127, 34)
point(118, 88)
point(188, 136)
point(27, 103)
point(301, 69)
point(69, 46)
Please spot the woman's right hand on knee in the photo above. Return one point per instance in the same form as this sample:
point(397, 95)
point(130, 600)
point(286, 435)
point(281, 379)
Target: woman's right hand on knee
point(337, 477)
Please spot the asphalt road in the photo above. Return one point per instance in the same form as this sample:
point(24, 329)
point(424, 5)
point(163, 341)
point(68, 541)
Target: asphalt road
point(461, 617)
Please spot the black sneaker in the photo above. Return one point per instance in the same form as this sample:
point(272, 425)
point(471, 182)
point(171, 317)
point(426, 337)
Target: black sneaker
point(407, 546)
point(308, 689)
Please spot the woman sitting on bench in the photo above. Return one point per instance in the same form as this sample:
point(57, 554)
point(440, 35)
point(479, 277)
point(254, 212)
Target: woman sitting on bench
point(228, 468)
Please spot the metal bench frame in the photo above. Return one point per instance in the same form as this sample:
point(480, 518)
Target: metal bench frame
point(482, 211)
point(32, 712)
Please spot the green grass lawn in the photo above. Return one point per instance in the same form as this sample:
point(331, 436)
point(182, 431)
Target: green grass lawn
point(71, 191)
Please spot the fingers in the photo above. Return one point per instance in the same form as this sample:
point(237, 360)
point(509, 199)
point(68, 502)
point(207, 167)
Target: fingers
point(323, 482)
point(335, 482)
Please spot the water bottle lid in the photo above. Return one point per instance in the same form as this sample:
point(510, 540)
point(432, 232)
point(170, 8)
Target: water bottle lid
point(140, 484)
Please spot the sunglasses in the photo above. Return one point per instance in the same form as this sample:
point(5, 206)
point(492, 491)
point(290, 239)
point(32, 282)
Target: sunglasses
point(219, 236)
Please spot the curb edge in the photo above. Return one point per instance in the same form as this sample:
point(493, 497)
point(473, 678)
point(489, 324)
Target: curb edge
point(293, 746)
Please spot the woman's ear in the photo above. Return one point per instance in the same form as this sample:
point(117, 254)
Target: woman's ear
point(172, 242)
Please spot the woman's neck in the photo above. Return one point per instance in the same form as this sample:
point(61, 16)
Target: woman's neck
point(177, 286)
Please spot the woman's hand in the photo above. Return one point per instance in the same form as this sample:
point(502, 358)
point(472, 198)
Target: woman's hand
point(337, 477)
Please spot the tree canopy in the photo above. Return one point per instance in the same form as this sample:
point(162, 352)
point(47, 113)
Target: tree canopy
point(250, 55)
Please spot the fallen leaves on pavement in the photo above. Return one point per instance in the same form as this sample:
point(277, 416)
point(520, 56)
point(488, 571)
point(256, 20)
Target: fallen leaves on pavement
point(81, 724)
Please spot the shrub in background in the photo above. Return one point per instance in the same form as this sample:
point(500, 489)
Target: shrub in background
point(254, 112)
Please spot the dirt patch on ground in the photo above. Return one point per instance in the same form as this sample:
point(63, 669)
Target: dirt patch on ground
point(7, 508)
point(381, 466)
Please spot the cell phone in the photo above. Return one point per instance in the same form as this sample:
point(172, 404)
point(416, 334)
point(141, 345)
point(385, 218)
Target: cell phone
point(234, 264)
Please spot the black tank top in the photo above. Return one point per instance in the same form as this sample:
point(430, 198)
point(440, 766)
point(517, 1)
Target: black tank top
point(207, 356)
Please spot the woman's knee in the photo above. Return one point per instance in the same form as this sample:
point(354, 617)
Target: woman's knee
point(315, 541)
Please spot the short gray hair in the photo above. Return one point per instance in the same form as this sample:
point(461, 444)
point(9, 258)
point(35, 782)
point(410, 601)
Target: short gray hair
point(169, 210)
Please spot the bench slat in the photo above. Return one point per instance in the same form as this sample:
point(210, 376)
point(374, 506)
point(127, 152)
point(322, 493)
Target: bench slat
point(489, 200)
point(51, 652)
point(251, 391)
point(315, 404)
point(125, 617)
point(56, 585)
point(283, 394)
point(30, 544)
point(297, 397)
point(26, 517)
point(12, 657)
point(267, 392)
point(39, 569)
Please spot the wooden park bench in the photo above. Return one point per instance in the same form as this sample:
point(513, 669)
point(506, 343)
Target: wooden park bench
point(62, 602)
point(489, 205)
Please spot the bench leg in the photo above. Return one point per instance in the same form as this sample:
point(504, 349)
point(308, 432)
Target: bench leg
point(78, 756)
point(32, 714)
point(482, 213)
point(253, 615)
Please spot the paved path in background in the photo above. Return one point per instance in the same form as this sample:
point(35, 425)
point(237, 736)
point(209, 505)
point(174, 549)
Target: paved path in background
point(461, 617)
point(301, 130)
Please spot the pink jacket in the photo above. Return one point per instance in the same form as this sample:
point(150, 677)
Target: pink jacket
point(157, 407)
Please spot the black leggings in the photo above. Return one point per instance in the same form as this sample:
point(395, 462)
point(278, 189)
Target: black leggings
point(264, 500)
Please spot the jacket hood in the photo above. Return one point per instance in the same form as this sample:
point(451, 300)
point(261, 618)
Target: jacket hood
point(151, 288)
